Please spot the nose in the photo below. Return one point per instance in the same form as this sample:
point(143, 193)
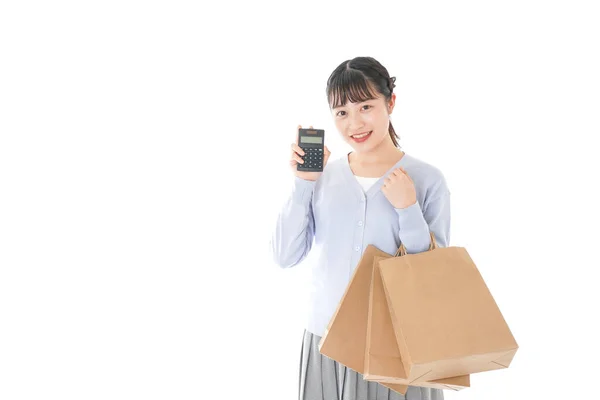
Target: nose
point(356, 122)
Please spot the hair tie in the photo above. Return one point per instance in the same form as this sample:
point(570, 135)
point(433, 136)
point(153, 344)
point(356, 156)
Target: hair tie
point(391, 83)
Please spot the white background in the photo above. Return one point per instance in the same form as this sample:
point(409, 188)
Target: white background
point(143, 159)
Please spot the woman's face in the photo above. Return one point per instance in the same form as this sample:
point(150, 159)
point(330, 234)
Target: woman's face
point(364, 125)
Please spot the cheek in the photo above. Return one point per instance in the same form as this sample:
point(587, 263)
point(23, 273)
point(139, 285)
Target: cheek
point(341, 127)
point(374, 120)
point(383, 122)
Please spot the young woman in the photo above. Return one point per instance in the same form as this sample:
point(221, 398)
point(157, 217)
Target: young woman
point(376, 194)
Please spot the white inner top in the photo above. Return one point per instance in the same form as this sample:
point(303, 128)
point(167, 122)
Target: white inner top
point(365, 182)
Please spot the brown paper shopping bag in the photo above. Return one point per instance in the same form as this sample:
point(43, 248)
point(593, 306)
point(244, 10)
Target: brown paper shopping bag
point(445, 320)
point(345, 337)
point(383, 362)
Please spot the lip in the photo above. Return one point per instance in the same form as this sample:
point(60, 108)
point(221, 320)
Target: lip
point(363, 138)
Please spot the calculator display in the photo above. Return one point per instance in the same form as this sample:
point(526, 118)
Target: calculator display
point(311, 139)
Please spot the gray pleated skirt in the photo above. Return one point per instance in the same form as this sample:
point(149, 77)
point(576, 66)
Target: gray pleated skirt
point(322, 378)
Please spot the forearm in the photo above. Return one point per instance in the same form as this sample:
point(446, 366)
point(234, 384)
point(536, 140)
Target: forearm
point(294, 230)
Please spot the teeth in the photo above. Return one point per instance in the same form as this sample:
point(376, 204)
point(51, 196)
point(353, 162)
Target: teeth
point(361, 135)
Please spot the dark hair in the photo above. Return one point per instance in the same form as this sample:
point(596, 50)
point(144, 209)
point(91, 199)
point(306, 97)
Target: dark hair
point(356, 80)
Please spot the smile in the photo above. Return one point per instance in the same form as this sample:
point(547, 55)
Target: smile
point(361, 137)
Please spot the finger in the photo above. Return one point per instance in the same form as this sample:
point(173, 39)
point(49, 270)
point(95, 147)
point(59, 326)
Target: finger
point(406, 174)
point(297, 149)
point(297, 158)
point(400, 174)
point(310, 127)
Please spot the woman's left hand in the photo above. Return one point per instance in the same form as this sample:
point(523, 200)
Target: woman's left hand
point(399, 189)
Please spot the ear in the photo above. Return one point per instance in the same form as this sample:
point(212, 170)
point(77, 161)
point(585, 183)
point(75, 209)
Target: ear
point(392, 103)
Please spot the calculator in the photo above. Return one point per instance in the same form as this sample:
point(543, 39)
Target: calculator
point(313, 144)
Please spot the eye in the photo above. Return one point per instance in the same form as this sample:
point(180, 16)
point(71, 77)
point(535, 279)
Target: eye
point(339, 113)
point(367, 105)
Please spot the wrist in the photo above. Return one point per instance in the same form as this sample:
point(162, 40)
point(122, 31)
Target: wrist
point(411, 217)
point(404, 205)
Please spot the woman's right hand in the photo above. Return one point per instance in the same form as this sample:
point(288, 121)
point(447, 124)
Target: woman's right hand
point(296, 158)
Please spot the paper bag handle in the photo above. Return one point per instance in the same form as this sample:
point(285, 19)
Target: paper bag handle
point(432, 245)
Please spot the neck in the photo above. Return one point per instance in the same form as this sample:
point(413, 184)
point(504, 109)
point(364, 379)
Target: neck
point(385, 153)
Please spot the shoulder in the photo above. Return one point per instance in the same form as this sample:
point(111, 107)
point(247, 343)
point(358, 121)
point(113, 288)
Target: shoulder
point(427, 177)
